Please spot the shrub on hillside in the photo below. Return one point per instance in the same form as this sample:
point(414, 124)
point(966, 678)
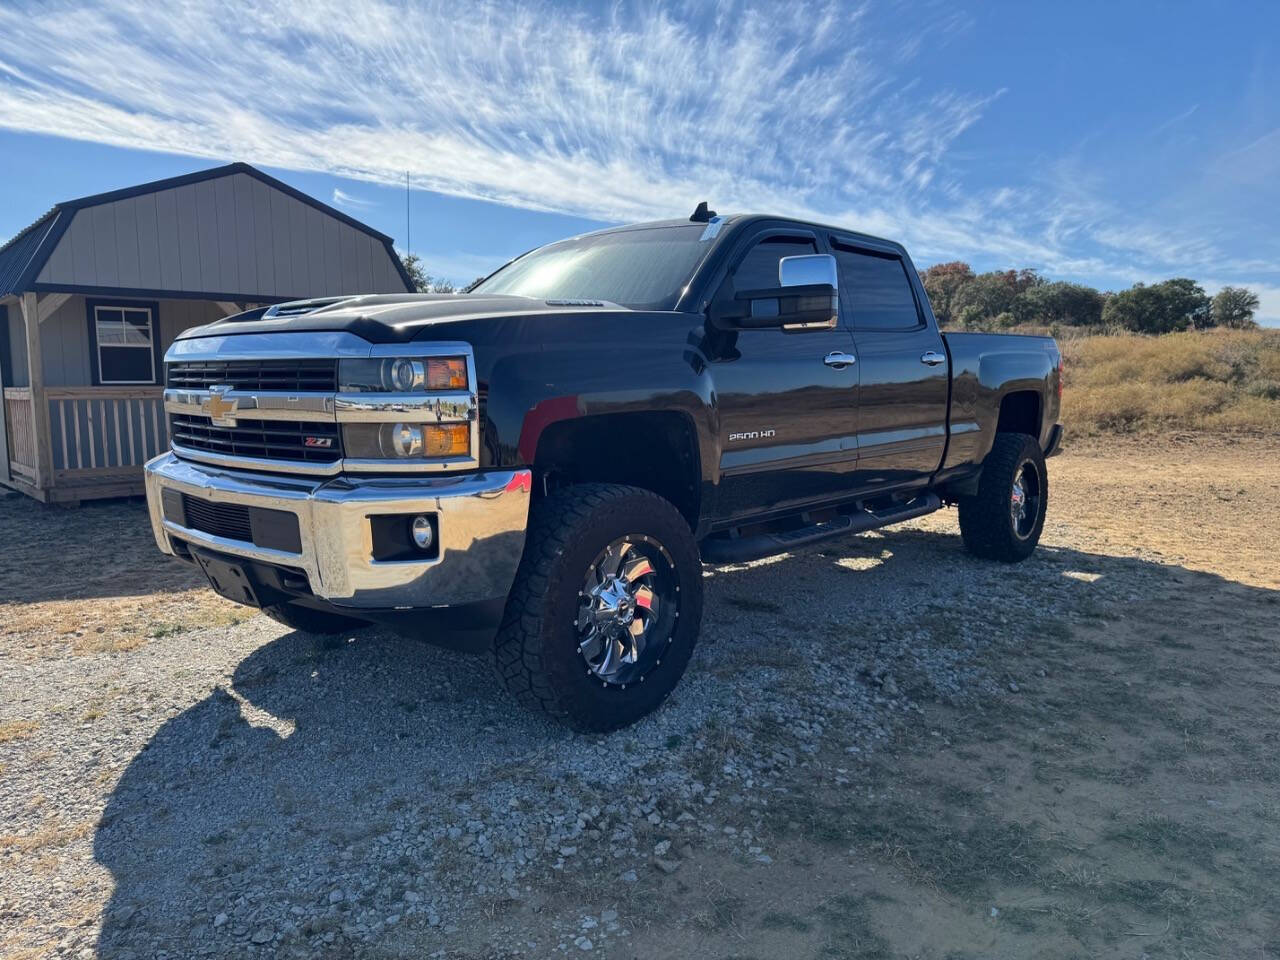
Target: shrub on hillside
point(1177, 304)
point(988, 301)
point(1234, 307)
point(1070, 304)
point(1219, 380)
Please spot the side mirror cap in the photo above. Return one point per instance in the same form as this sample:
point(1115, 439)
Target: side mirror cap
point(808, 270)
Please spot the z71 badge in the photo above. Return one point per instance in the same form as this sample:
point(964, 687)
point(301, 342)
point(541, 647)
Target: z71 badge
point(752, 435)
point(317, 441)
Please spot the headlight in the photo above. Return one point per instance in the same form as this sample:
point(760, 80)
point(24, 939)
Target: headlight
point(402, 375)
point(406, 441)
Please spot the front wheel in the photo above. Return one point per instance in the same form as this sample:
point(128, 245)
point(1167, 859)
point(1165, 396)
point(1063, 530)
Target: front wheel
point(1003, 521)
point(605, 609)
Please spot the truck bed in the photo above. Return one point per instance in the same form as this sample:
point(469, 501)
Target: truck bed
point(988, 366)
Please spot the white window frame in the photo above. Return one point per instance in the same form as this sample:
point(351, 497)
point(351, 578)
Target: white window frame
point(150, 346)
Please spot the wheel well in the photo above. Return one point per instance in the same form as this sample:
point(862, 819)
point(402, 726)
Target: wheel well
point(1020, 413)
point(655, 451)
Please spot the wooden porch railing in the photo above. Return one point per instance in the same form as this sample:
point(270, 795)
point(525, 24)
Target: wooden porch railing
point(100, 431)
point(17, 425)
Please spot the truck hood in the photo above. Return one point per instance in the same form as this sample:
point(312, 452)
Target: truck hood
point(391, 318)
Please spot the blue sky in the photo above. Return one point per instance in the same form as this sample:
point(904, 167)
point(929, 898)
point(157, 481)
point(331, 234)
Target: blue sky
point(1101, 142)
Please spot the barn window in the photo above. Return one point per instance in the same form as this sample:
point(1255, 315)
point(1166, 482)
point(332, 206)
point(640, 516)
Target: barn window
point(126, 344)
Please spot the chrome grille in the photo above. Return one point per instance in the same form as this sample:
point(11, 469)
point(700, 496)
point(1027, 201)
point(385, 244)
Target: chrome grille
point(259, 439)
point(281, 374)
point(269, 401)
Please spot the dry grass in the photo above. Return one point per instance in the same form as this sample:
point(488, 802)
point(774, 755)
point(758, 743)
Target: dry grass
point(1221, 381)
point(16, 729)
point(91, 581)
point(52, 835)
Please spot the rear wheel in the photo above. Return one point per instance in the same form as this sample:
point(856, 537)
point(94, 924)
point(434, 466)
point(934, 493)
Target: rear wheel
point(1003, 521)
point(310, 620)
point(605, 609)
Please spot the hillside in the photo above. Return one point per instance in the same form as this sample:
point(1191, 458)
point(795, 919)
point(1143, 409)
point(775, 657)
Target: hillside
point(1217, 380)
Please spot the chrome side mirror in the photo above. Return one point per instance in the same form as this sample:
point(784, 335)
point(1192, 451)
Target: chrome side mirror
point(811, 269)
point(805, 298)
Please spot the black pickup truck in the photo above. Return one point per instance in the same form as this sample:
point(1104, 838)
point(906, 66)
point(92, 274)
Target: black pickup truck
point(542, 465)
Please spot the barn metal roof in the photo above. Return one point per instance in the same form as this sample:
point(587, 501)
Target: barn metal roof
point(23, 256)
point(19, 251)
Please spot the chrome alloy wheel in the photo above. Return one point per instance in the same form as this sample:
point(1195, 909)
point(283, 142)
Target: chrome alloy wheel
point(627, 609)
point(1024, 500)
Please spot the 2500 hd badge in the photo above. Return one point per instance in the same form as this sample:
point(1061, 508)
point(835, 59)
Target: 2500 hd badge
point(752, 435)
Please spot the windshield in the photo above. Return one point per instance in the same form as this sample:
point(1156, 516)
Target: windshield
point(645, 269)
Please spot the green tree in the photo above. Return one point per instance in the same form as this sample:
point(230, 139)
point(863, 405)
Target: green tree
point(1159, 308)
point(941, 282)
point(989, 295)
point(1187, 299)
point(1234, 307)
point(418, 276)
point(423, 282)
point(1073, 304)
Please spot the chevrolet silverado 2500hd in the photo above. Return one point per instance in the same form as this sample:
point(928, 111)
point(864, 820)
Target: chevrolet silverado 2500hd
point(540, 466)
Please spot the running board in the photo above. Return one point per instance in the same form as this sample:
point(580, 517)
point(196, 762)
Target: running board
point(741, 549)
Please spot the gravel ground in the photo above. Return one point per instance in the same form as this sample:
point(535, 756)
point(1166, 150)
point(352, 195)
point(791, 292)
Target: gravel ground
point(245, 790)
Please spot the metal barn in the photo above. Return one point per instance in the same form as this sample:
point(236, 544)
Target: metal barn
point(93, 293)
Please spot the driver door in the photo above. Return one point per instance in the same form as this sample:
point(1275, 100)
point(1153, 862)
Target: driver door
point(787, 415)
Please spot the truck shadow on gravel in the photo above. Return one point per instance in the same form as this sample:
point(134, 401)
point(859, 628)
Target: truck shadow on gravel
point(383, 796)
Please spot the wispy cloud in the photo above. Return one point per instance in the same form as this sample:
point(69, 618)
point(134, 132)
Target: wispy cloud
point(632, 112)
point(341, 198)
point(1175, 120)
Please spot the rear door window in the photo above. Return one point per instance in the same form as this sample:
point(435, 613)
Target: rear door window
point(875, 291)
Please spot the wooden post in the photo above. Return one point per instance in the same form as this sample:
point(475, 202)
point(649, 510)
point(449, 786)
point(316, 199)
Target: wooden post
point(39, 402)
point(4, 435)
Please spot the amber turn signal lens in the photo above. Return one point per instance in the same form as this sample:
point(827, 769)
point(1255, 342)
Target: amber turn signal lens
point(447, 440)
point(447, 373)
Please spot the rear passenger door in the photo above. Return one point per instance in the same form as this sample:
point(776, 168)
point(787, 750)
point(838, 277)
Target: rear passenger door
point(787, 416)
point(902, 404)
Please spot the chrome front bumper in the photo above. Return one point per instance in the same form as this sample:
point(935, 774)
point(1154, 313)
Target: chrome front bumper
point(481, 520)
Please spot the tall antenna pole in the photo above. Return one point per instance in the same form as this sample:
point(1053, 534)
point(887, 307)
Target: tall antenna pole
point(408, 237)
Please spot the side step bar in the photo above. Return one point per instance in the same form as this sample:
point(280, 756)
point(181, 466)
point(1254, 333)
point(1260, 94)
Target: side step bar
point(741, 549)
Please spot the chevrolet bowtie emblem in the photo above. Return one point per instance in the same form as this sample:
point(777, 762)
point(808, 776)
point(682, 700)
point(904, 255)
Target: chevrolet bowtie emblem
point(221, 408)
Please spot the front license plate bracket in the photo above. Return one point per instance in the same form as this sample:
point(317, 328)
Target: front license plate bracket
point(228, 578)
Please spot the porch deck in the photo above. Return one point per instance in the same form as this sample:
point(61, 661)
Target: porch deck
point(99, 438)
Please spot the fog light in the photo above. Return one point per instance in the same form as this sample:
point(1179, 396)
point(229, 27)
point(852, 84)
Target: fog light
point(423, 535)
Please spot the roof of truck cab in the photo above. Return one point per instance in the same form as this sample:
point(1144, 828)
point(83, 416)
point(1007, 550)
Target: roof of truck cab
point(738, 221)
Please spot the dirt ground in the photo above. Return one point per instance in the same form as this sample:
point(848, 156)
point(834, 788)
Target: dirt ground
point(91, 580)
point(1125, 802)
point(1108, 785)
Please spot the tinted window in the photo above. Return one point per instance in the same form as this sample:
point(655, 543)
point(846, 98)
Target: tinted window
point(876, 291)
point(644, 269)
point(759, 268)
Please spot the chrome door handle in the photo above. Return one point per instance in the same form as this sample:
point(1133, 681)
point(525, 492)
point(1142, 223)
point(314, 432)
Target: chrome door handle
point(932, 358)
point(839, 360)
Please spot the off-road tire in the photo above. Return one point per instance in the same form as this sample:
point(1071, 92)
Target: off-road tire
point(310, 620)
point(535, 651)
point(986, 523)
